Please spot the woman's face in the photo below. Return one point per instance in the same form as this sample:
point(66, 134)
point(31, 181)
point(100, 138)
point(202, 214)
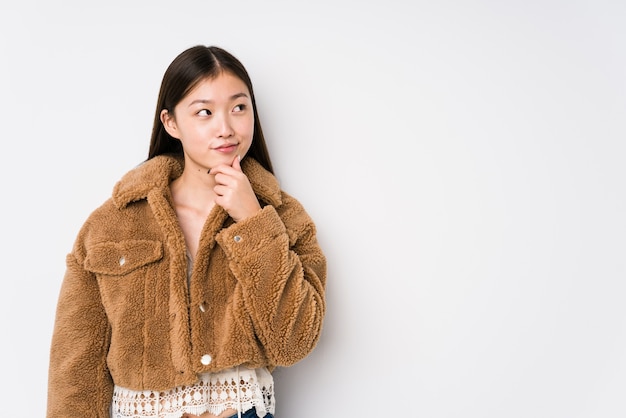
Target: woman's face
point(214, 122)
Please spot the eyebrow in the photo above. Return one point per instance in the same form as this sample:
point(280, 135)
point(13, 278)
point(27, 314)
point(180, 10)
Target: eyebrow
point(233, 97)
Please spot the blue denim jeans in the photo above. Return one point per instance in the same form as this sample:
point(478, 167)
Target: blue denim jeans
point(251, 413)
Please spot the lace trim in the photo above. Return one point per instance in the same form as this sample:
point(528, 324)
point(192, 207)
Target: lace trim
point(212, 393)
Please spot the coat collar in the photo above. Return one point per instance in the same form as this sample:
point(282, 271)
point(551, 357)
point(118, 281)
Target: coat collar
point(158, 172)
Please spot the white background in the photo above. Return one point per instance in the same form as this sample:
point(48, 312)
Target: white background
point(464, 162)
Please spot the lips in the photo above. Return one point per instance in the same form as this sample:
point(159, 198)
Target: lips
point(226, 148)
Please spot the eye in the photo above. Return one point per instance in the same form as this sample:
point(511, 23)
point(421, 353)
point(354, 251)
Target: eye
point(204, 112)
point(239, 108)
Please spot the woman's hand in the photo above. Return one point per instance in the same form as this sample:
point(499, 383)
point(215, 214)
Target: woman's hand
point(233, 190)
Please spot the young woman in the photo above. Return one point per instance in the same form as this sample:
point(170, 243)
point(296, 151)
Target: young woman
point(199, 275)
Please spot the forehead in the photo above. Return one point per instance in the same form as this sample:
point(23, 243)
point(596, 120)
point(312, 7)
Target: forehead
point(223, 86)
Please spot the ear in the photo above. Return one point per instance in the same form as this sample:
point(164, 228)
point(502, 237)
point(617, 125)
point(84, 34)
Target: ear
point(169, 123)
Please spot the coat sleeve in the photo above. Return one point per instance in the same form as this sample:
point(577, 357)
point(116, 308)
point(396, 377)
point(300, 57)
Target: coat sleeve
point(79, 383)
point(278, 263)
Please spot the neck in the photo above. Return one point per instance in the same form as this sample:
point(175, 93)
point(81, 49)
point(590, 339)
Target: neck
point(194, 189)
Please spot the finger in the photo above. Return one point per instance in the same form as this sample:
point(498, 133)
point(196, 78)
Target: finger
point(222, 168)
point(222, 179)
point(220, 190)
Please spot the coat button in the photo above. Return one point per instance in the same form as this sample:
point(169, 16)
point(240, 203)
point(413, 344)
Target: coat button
point(122, 260)
point(206, 359)
point(202, 307)
point(237, 238)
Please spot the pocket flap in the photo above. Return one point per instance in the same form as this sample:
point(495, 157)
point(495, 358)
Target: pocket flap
point(118, 258)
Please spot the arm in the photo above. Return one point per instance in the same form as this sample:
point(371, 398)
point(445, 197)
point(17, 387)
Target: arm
point(283, 274)
point(79, 384)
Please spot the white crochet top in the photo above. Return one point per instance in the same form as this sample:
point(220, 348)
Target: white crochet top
point(238, 388)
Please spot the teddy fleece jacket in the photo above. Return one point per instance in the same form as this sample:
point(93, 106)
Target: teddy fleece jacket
point(126, 314)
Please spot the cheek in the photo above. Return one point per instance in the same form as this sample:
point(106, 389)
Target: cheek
point(249, 134)
point(247, 128)
point(195, 134)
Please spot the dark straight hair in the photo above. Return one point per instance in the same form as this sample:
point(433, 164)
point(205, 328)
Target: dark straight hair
point(183, 74)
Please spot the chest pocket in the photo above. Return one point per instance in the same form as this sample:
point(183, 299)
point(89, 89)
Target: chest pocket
point(121, 258)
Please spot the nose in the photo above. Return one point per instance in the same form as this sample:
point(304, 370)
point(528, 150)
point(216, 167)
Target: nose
point(225, 128)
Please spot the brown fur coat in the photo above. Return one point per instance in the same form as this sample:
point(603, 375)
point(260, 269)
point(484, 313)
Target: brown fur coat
point(126, 315)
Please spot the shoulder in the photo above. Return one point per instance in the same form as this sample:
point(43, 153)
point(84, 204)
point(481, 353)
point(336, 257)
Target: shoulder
point(126, 214)
point(155, 173)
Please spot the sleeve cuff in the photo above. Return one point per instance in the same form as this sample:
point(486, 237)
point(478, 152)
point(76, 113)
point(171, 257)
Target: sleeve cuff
point(251, 235)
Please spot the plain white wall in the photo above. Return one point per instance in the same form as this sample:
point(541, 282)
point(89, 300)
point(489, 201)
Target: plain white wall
point(464, 162)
